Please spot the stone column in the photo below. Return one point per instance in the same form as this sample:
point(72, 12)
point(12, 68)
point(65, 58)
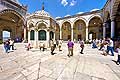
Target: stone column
point(72, 32)
point(25, 33)
point(61, 32)
point(36, 39)
point(112, 28)
point(86, 32)
point(48, 38)
point(104, 30)
point(28, 35)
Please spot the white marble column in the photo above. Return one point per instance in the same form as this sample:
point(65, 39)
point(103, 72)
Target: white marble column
point(112, 28)
point(104, 30)
point(25, 33)
point(48, 38)
point(28, 36)
point(60, 32)
point(86, 33)
point(72, 33)
point(36, 39)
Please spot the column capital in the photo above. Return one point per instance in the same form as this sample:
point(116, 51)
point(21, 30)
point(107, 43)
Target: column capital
point(112, 18)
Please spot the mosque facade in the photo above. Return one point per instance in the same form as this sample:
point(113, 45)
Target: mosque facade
point(41, 26)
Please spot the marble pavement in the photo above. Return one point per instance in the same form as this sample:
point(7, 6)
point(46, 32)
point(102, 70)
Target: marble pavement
point(38, 65)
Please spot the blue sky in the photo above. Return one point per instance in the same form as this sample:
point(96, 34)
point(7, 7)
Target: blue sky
point(61, 8)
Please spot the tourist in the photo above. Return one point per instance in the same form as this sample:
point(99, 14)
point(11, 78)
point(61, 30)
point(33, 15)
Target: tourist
point(55, 43)
point(28, 46)
point(82, 46)
point(70, 45)
point(118, 59)
point(102, 42)
point(52, 47)
point(42, 45)
point(60, 44)
point(110, 46)
point(104, 48)
point(7, 46)
point(117, 51)
point(12, 44)
point(94, 44)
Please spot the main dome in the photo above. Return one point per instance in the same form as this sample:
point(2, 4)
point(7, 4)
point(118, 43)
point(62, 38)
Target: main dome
point(42, 13)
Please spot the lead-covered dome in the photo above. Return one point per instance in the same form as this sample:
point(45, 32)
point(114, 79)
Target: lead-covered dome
point(42, 13)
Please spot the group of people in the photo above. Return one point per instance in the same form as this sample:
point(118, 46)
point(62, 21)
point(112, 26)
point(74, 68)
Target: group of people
point(70, 45)
point(107, 45)
point(8, 45)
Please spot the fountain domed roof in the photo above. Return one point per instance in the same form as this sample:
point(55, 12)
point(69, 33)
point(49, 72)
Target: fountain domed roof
point(42, 13)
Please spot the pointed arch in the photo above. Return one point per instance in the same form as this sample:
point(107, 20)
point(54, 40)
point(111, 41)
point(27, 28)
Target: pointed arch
point(80, 18)
point(12, 11)
point(95, 27)
point(66, 21)
point(79, 29)
point(93, 16)
point(39, 22)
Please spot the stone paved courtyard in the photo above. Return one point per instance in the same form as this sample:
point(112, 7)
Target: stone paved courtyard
point(38, 65)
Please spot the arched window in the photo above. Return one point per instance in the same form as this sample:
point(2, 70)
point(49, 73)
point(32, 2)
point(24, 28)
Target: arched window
point(42, 35)
point(32, 33)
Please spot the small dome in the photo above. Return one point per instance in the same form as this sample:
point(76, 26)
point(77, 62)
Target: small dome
point(42, 13)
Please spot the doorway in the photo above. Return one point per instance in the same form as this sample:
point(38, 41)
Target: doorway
point(51, 35)
point(5, 35)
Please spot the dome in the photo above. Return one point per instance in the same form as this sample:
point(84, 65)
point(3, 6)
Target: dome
point(42, 13)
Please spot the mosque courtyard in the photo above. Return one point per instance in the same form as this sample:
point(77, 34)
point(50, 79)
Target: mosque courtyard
point(38, 65)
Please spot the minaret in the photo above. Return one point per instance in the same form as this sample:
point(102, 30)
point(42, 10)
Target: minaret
point(43, 6)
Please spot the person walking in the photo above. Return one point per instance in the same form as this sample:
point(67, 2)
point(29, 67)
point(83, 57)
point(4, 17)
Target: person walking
point(70, 45)
point(110, 46)
point(117, 50)
point(7, 46)
point(82, 46)
point(118, 60)
point(12, 44)
point(52, 47)
point(60, 44)
point(28, 46)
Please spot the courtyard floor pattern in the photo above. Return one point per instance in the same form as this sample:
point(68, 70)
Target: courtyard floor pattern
point(38, 65)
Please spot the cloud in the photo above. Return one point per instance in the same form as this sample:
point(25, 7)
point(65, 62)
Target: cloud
point(64, 2)
point(73, 2)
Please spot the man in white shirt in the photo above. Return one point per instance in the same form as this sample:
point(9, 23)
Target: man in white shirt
point(110, 46)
